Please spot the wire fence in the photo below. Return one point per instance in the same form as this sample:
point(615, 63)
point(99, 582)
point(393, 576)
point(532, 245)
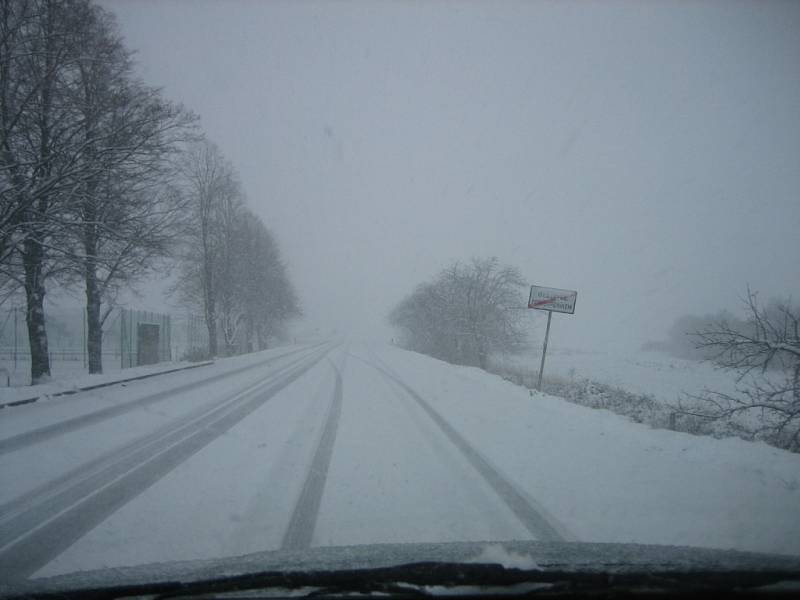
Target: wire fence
point(189, 337)
point(131, 338)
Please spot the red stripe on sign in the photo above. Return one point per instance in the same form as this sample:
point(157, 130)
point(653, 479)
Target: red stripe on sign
point(548, 301)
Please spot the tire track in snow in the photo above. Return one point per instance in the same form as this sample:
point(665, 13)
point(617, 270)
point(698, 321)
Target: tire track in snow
point(111, 460)
point(34, 537)
point(304, 517)
point(42, 434)
point(541, 527)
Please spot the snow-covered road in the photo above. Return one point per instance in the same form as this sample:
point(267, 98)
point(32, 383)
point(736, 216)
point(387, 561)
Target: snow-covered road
point(339, 444)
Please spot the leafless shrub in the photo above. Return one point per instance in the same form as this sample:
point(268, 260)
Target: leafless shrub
point(766, 358)
point(465, 314)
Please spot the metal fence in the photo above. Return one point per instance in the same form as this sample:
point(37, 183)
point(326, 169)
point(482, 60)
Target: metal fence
point(140, 337)
point(130, 338)
point(189, 337)
point(66, 334)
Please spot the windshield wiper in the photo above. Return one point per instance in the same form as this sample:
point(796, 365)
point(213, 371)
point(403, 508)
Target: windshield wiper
point(442, 579)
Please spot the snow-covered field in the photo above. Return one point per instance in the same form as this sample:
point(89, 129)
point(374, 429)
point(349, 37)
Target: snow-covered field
point(648, 387)
point(659, 375)
point(174, 480)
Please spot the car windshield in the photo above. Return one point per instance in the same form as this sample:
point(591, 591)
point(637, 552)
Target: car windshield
point(315, 276)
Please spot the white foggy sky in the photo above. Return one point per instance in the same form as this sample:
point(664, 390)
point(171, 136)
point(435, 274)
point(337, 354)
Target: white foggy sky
point(646, 154)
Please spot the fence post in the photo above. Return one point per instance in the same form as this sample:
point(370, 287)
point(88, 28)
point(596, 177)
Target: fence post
point(129, 336)
point(83, 313)
point(133, 321)
point(15, 338)
point(121, 338)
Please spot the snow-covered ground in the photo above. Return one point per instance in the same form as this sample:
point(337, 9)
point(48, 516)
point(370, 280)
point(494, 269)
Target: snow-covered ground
point(609, 479)
point(395, 474)
point(71, 380)
point(70, 375)
point(64, 367)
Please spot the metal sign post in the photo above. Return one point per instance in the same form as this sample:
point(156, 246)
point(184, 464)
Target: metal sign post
point(544, 349)
point(552, 300)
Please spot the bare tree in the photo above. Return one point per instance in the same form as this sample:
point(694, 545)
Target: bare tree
point(268, 299)
point(230, 278)
point(126, 213)
point(681, 341)
point(39, 148)
point(83, 149)
point(465, 314)
point(765, 355)
point(209, 183)
point(242, 280)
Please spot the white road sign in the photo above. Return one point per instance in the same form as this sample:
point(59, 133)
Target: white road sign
point(552, 299)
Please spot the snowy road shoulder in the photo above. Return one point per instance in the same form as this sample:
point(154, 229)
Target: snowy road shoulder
point(69, 412)
point(32, 539)
point(613, 480)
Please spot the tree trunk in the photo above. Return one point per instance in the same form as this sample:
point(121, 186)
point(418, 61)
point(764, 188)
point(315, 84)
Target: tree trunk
point(249, 334)
point(94, 327)
point(480, 348)
point(211, 323)
point(209, 297)
point(33, 249)
point(34, 296)
point(261, 339)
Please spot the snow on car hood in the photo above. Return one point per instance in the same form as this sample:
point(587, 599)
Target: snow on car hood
point(577, 557)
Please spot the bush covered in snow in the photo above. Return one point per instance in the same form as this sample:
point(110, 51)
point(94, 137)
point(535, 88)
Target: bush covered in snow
point(640, 408)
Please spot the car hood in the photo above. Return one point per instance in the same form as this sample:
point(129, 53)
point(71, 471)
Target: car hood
point(531, 556)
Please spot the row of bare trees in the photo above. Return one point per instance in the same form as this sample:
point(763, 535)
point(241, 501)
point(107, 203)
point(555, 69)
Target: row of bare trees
point(85, 150)
point(99, 174)
point(230, 267)
point(468, 312)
